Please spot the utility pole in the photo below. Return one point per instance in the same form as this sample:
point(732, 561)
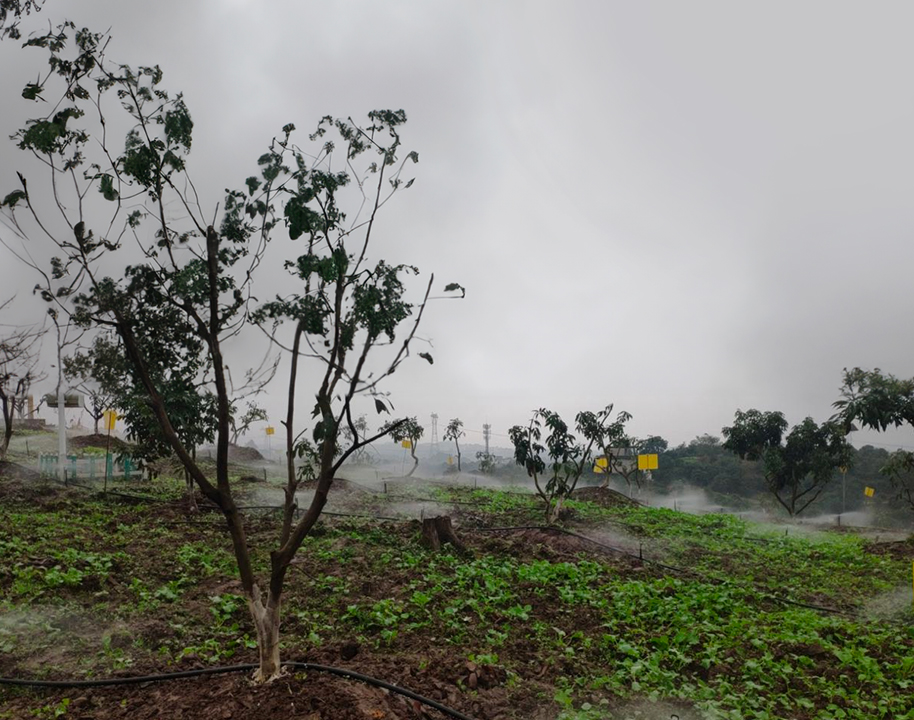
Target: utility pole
point(434, 437)
point(486, 432)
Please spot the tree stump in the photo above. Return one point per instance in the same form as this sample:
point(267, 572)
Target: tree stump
point(438, 531)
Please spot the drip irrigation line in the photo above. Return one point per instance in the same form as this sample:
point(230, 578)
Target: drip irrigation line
point(313, 667)
point(331, 513)
point(74, 484)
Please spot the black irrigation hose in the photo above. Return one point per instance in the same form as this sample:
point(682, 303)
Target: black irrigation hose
point(141, 498)
point(323, 512)
point(141, 679)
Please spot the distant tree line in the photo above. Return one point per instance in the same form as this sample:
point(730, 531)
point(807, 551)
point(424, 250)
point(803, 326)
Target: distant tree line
point(705, 463)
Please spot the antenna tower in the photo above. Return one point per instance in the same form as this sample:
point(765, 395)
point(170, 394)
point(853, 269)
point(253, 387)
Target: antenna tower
point(486, 432)
point(434, 438)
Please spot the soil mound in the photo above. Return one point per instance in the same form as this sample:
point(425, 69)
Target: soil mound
point(603, 496)
point(244, 454)
point(13, 471)
point(900, 549)
point(97, 440)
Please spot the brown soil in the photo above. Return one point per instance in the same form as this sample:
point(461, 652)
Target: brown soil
point(603, 496)
point(900, 549)
point(313, 696)
point(13, 472)
point(240, 454)
point(98, 441)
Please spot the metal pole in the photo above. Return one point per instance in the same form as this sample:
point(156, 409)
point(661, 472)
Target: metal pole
point(107, 452)
point(843, 490)
point(61, 429)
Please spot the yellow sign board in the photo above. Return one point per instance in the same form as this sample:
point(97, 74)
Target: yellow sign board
point(271, 430)
point(869, 492)
point(647, 462)
point(602, 462)
point(406, 443)
point(110, 419)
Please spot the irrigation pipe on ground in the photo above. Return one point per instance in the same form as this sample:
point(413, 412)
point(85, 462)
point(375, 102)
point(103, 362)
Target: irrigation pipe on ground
point(141, 679)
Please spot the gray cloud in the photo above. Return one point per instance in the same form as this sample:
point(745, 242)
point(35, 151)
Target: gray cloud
point(681, 208)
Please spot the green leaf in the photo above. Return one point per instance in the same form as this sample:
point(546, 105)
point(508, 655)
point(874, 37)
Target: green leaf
point(14, 197)
point(452, 287)
point(31, 91)
point(426, 356)
point(106, 187)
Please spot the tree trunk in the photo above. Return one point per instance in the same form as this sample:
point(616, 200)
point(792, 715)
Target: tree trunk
point(7, 427)
point(438, 531)
point(266, 623)
point(412, 451)
point(555, 510)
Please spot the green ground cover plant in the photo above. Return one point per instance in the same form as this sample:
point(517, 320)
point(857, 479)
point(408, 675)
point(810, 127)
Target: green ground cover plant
point(545, 619)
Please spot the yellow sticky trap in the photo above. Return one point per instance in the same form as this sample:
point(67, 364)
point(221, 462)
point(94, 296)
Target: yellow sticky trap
point(869, 492)
point(598, 469)
point(110, 419)
point(602, 462)
point(271, 430)
point(450, 459)
point(647, 462)
point(406, 443)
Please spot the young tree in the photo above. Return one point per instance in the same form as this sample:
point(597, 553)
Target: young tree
point(878, 401)
point(191, 406)
point(253, 413)
point(406, 430)
point(18, 371)
point(454, 431)
point(619, 451)
point(174, 307)
point(562, 459)
point(653, 444)
point(486, 461)
point(78, 370)
point(356, 434)
point(797, 467)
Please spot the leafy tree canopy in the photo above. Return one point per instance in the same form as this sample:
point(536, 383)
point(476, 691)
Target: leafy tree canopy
point(797, 467)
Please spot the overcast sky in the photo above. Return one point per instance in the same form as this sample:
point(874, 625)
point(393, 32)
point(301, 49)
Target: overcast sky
point(680, 208)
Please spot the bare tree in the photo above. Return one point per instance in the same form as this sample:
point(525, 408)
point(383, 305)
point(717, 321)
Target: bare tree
point(19, 348)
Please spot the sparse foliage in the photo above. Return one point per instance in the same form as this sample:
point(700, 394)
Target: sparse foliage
point(486, 462)
point(561, 460)
point(355, 435)
point(173, 310)
point(18, 371)
point(407, 430)
point(454, 431)
point(252, 413)
point(797, 467)
point(10, 13)
point(877, 401)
